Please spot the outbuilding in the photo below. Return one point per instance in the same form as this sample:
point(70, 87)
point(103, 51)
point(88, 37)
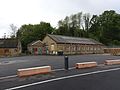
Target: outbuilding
point(37, 48)
point(10, 47)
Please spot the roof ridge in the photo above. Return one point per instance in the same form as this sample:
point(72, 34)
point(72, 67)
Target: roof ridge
point(70, 39)
point(67, 36)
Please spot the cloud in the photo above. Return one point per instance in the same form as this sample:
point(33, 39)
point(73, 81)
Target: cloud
point(21, 12)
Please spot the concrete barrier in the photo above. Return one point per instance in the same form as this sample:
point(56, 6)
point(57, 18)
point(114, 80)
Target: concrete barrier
point(111, 62)
point(33, 71)
point(86, 65)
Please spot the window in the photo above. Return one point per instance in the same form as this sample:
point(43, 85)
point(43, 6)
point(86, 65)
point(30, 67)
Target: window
point(52, 47)
point(6, 50)
point(74, 48)
point(95, 48)
point(91, 48)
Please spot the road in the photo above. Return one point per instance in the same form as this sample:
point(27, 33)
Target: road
point(85, 79)
point(101, 81)
point(9, 66)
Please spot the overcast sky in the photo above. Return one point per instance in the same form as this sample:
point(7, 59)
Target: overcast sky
point(19, 12)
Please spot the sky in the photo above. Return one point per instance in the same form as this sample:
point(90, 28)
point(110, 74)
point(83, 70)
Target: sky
point(19, 12)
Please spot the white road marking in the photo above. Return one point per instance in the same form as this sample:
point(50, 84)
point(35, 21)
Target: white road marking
point(71, 68)
point(55, 70)
point(61, 78)
point(101, 65)
point(8, 77)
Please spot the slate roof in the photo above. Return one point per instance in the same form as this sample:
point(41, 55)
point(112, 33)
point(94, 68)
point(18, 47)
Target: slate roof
point(73, 40)
point(8, 43)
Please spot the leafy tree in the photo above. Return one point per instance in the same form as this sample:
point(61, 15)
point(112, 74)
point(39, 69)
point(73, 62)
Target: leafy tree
point(74, 25)
point(86, 19)
point(106, 27)
point(79, 20)
point(29, 33)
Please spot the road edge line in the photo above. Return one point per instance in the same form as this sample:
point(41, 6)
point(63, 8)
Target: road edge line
point(61, 78)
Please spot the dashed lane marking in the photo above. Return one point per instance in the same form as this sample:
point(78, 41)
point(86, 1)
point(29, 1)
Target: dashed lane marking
point(62, 69)
point(12, 76)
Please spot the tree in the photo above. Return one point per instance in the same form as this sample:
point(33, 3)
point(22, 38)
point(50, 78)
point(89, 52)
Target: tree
point(86, 20)
point(29, 33)
point(106, 27)
point(70, 26)
point(14, 30)
point(79, 20)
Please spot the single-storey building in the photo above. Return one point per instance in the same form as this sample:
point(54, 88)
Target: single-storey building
point(112, 51)
point(72, 45)
point(37, 48)
point(10, 47)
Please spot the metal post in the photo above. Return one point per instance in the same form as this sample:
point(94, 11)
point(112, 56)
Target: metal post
point(66, 62)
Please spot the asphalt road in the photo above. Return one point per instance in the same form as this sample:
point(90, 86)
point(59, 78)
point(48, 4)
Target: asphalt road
point(99, 78)
point(9, 66)
point(101, 81)
point(73, 79)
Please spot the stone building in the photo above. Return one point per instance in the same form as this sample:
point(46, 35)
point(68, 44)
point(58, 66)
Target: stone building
point(112, 51)
point(10, 47)
point(72, 45)
point(37, 48)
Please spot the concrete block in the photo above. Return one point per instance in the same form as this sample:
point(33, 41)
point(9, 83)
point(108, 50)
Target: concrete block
point(33, 71)
point(111, 62)
point(86, 65)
